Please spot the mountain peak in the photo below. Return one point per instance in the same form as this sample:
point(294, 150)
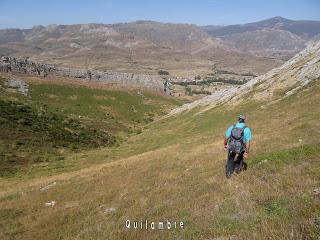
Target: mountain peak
point(271, 22)
point(278, 18)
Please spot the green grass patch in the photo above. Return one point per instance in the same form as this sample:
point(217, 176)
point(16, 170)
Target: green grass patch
point(116, 111)
point(286, 156)
point(30, 135)
point(57, 120)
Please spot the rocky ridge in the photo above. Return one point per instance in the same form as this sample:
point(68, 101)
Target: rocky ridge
point(26, 66)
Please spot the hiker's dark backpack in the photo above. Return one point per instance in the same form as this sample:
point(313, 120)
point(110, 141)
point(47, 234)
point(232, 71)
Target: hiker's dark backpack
point(236, 143)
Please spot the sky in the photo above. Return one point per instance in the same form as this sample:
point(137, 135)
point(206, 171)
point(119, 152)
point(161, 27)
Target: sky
point(28, 13)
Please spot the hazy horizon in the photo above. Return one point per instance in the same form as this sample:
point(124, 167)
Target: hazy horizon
point(15, 14)
point(149, 20)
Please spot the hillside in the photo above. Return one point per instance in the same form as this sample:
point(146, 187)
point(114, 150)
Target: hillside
point(184, 50)
point(275, 37)
point(137, 47)
point(272, 86)
point(174, 170)
point(53, 118)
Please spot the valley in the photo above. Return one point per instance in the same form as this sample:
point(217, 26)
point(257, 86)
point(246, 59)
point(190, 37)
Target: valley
point(82, 154)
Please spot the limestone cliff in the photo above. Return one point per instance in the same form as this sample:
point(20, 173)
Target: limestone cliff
point(26, 66)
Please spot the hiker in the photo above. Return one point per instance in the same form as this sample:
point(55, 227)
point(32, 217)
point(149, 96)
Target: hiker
point(237, 142)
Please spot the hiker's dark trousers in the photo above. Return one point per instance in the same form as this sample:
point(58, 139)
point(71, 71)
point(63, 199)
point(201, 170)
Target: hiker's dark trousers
point(234, 164)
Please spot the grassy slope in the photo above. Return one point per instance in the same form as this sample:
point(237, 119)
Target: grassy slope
point(57, 120)
point(175, 170)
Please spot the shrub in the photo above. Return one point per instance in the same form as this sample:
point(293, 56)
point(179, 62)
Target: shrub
point(163, 72)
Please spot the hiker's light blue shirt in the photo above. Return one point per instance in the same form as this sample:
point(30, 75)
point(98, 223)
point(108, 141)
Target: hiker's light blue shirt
point(246, 134)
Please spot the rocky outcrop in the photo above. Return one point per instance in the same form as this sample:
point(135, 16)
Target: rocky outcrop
point(18, 84)
point(26, 66)
point(303, 68)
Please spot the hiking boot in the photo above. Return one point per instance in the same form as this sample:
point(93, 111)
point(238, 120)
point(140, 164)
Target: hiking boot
point(238, 168)
point(228, 172)
point(244, 166)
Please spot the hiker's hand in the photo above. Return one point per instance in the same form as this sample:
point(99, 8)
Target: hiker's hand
point(245, 156)
point(225, 147)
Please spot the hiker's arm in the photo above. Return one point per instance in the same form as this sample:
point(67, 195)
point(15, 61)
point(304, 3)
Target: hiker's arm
point(248, 138)
point(247, 146)
point(226, 138)
point(246, 153)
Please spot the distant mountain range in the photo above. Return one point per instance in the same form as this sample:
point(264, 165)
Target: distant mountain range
point(276, 37)
point(147, 46)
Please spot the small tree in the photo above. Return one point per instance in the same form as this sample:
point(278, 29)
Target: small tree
point(163, 72)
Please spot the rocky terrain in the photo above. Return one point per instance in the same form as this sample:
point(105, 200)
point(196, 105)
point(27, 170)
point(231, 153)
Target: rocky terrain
point(18, 84)
point(294, 74)
point(147, 47)
point(26, 66)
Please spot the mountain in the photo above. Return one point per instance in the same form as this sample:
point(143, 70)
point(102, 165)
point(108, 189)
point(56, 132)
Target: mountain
point(275, 37)
point(184, 50)
point(276, 84)
point(138, 47)
point(307, 29)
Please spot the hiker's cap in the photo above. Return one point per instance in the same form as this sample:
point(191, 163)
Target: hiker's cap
point(243, 117)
